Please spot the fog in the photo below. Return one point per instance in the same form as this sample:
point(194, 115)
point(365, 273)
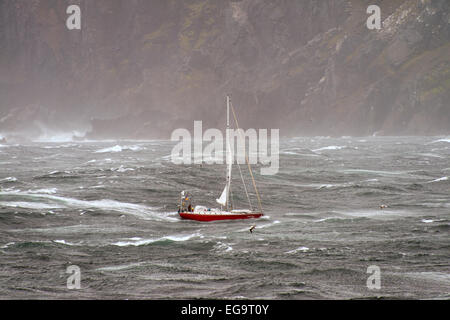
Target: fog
point(141, 69)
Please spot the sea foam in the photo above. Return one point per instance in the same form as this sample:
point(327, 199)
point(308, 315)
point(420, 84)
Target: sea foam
point(119, 148)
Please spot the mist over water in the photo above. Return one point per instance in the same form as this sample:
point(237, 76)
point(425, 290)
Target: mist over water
point(110, 208)
point(141, 69)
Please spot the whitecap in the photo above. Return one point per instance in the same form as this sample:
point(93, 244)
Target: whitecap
point(7, 245)
point(325, 219)
point(140, 242)
point(63, 242)
point(222, 247)
point(441, 140)
point(45, 191)
point(30, 205)
point(329, 148)
point(122, 169)
point(138, 210)
point(266, 225)
point(376, 172)
point(301, 249)
point(118, 148)
point(374, 214)
point(120, 267)
point(9, 179)
point(432, 155)
point(326, 186)
point(439, 179)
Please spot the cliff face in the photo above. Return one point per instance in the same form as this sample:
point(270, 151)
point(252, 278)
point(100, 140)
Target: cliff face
point(139, 68)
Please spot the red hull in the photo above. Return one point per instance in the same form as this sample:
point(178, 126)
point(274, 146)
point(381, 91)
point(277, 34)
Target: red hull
point(214, 217)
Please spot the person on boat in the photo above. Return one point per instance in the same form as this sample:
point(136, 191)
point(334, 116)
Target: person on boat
point(190, 209)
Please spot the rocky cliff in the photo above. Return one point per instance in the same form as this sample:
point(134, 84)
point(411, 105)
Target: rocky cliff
point(140, 68)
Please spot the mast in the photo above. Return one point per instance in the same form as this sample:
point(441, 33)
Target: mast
point(229, 159)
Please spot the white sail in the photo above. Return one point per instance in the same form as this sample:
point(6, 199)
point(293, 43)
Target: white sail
point(223, 197)
point(229, 166)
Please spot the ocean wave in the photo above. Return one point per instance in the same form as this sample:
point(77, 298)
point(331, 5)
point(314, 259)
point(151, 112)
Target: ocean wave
point(349, 184)
point(263, 226)
point(440, 204)
point(329, 148)
point(121, 267)
point(45, 191)
point(29, 205)
point(64, 242)
point(299, 151)
point(432, 220)
point(441, 140)
point(142, 242)
point(141, 211)
point(299, 249)
point(68, 145)
point(55, 172)
point(329, 218)
point(266, 225)
point(375, 172)
point(373, 213)
point(439, 179)
point(122, 169)
point(7, 245)
point(222, 247)
point(440, 277)
point(118, 148)
point(432, 155)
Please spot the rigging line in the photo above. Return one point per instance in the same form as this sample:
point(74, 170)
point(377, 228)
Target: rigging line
point(231, 198)
point(245, 187)
point(246, 160)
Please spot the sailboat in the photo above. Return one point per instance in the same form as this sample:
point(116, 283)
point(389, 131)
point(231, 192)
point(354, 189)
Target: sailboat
point(226, 210)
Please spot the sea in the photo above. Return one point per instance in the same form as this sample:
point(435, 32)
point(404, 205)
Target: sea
point(344, 218)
